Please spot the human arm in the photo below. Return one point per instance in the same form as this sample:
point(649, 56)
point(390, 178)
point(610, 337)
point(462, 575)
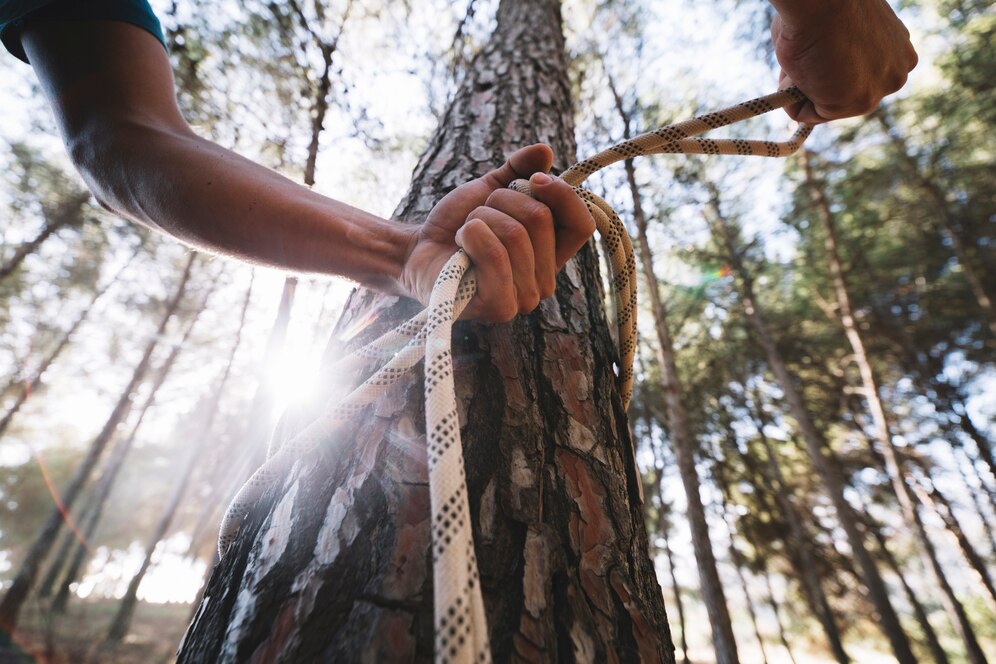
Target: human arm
point(845, 55)
point(111, 88)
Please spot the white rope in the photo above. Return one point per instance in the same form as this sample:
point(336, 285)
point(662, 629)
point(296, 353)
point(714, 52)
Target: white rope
point(461, 630)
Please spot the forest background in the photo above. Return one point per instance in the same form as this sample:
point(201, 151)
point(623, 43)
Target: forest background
point(864, 270)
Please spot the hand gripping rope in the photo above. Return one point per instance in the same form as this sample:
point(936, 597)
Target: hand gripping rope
point(461, 630)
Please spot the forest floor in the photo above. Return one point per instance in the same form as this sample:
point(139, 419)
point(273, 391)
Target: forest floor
point(74, 637)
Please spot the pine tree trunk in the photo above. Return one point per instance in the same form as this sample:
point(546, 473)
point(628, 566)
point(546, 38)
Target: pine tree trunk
point(103, 486)
point(558, 527)
point(870, 391)
point(11, 604)
point(777, 610)
point(981, 288)
point(68, 213)
point(35, 380)
point(800, 539)
point(682, 442)
point(819, 453)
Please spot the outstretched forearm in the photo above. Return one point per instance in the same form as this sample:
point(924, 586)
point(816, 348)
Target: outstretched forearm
point(214, 199)
point(111, 88)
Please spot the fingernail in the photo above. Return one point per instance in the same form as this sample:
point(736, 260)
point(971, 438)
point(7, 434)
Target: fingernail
point(540, 178)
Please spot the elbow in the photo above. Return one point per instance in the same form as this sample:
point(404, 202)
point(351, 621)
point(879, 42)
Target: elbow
point(94, 153)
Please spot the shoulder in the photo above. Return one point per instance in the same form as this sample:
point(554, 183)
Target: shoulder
point(15, 13)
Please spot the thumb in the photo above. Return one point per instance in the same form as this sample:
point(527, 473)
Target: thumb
point(520, 164)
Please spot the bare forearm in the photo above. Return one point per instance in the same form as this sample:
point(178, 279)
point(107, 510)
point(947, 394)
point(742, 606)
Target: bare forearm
point(213, 199)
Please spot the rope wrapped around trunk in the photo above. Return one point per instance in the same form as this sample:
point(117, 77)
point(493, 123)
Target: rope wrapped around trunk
point(461, 630)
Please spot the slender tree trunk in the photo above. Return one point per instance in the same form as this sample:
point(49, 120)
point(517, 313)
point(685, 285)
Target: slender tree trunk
point(68, 213)
point(812, 587)
point(11, 604)
point(938, 503)
point(112, 467)
point(558, 526)
point(679, 602)
point(819, 452)
point(34, 382)
point(739, 563)
point(777, 610)
point(871, 392)
point(122, 619)
point(981, 288)
point(682, 441)
point(933, 643)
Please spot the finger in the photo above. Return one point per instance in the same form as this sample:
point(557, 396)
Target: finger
point(573, 223)
point(537, 219)
point(518, 245)
point(495, 300)
point(520, 164)
point(803, 111)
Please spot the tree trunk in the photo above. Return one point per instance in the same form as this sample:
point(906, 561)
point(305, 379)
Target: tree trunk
point(949, 227)
point(35, 380)
point(105, 483)
point(933, 643)
point(816, 446)
point(870, 391)
point(938, 503)
point(122, 619)
point(800, 539)
point(682, 441)
point(777, 610)
point(559, 532)
point(11, 604)
point(68, 213)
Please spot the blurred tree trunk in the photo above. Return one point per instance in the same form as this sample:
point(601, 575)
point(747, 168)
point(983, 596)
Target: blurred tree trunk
point(806, 564)
point(949, 227)
point(102, 488)
point(68, 213)
point(933, 643)
point(32, 383)
point(777, 610)
point(11, 604)
point(872, 395)
point(819, 453)
point(932, 498)
point(682, 441)
point(739, 564)
point(198, 446)
point(558, 525)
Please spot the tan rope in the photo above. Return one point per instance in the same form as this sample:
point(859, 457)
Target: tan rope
point(461, 631)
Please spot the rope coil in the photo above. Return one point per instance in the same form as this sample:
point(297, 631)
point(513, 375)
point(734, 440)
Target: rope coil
point(460, 626)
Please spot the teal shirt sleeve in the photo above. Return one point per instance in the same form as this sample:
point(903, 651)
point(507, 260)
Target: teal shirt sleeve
point(15, 13)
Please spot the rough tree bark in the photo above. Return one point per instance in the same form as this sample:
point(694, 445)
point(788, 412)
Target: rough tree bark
point(334, 564)
point(895, 470)
point(819, 452)
point(10, 606)
point(679, 434)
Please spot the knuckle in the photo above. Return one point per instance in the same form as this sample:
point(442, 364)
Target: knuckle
point(479, 212)
point(541, 215)
point(547, 286)
point(516, 237)
point(528, 301)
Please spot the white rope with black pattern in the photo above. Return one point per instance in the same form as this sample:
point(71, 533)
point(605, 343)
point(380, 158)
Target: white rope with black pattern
point(461, 631)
